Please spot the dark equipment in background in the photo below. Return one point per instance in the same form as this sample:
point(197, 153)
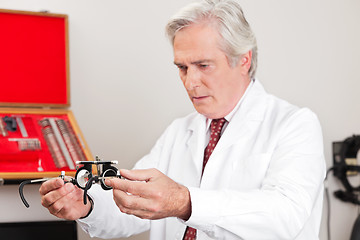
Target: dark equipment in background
point(54, 230)
point(345, 165)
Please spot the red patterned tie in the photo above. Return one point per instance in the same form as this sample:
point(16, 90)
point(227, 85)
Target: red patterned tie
point(215, 133)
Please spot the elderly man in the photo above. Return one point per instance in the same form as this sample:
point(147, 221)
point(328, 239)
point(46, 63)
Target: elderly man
point(245, 165)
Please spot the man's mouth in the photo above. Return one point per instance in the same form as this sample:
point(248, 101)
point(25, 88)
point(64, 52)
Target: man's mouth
point(199, 98)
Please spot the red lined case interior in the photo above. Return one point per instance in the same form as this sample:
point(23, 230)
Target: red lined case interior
point(33, 62)
point(12, 159)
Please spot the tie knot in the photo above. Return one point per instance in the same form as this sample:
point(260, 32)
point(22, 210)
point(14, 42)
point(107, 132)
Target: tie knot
point(217, 124)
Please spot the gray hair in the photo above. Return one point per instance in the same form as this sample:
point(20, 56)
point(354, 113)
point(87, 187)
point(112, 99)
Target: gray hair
point(237, 36)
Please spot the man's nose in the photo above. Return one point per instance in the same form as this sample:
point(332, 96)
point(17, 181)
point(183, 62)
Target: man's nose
point(193, 79)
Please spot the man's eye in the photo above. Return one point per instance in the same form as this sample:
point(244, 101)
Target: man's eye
point(182, 68)
point(203, 65)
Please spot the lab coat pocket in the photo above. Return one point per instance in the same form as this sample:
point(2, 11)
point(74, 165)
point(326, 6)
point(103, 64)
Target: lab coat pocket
point(249, 172)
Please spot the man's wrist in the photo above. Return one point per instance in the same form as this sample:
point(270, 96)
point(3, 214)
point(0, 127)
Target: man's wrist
point(185, 211)
point(91, 202)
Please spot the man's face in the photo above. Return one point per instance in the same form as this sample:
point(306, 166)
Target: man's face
point(214, 87)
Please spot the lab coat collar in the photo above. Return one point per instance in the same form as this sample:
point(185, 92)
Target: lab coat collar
point(251, 109)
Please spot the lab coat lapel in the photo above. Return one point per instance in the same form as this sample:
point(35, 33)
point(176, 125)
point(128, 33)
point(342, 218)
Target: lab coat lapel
point(252, 109)
point(197, 129)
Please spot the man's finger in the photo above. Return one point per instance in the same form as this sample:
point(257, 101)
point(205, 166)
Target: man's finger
point(58, 207)
point(56, 194)
point(51, 185)
point(133, 187)
point(138, 174)
point(132, 204)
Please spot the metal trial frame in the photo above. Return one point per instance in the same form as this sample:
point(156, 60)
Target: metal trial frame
point(84, 178)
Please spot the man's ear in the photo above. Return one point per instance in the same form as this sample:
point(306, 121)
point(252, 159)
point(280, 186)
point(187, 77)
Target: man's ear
point(245, 61)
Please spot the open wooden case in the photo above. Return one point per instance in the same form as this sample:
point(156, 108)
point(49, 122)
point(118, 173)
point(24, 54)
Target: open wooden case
point(39, 136)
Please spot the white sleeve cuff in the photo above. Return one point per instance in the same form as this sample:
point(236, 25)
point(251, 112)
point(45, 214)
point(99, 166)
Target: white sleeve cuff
point(205, 209)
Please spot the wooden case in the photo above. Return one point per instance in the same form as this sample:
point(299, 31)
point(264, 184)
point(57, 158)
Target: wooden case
point(39, 136)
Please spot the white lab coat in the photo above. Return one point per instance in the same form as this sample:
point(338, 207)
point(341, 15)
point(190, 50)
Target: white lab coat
point(264, 179)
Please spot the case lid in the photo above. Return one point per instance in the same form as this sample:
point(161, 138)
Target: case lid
point(34, 68)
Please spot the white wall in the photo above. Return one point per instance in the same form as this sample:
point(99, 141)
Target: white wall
point(122, 73)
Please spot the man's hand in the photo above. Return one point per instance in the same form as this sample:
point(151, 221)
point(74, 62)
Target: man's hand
point(150, 194)
point(63, 200)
